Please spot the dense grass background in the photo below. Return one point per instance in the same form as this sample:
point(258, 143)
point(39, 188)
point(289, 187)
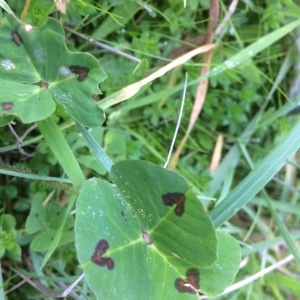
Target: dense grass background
point(249, 108)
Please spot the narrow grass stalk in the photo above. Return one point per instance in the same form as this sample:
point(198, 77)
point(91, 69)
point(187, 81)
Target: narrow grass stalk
point(17, 172)
point(57, 237)
point(95, 147)
point(283, 230)
point(62, 151)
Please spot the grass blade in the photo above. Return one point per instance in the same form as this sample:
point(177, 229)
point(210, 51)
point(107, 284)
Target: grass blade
point(95, 147)
point(258, 178)
point(58, 234)
point(62, 151)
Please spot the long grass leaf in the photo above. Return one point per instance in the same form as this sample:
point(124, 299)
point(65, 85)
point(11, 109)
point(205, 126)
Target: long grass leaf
point(62, 151)
point(58, 234)
point(283, 229)
point(95, 147)
point(258, 178)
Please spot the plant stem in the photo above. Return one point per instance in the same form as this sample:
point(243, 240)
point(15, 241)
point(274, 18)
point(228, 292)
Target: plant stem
point(25, 9)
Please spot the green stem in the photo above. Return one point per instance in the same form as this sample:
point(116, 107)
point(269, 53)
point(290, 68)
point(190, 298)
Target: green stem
point(62, 151)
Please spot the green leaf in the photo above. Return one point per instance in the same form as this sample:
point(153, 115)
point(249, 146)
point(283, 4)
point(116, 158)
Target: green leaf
point(5, 120)
point(46, 222)
point(214, 280)
point(8, 237)
point(150, 246)
point(44, 239)
point(8, 222)
point(14, 253)
point(142, 185)
point(36, 68)
point(37, 217)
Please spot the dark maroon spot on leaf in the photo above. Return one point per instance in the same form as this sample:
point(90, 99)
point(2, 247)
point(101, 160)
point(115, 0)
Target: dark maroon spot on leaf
point(180, 286)
point(98, 259)
point(82, 72)
point(102, 246)
point(147, 238)
point(193, 277)
point(170, 199)
point(177, 199)
point(16, 38)
point(7, 105)
point(179, 209)
point(191, 284)
point(100, 250)
point(110, 263)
